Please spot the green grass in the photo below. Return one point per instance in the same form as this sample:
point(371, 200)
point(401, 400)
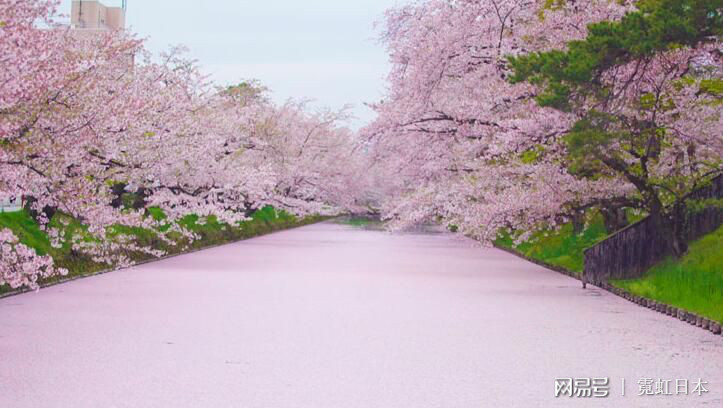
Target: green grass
point(693, 282)
point(30, 234)
point(27, 230)
point(211, 232)
point(560, 247)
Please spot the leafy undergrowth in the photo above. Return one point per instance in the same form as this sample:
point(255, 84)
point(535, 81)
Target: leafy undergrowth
point(211, 233)
point(560, 247)
point(693, 282)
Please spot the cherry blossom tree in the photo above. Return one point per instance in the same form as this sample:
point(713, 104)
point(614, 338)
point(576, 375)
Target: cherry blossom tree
point(85, 119)
point(645, 93)
point(460, 141)
point(495, 120)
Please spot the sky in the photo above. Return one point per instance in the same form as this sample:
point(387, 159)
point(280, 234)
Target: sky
point(324, 50)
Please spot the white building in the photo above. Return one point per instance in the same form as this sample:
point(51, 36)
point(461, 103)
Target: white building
point(10, 205)
point(88, 18)
point(93, 15)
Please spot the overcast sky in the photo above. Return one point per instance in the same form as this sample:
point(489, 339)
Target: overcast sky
point(325, 50)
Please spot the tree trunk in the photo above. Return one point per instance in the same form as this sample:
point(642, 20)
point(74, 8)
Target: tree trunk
point(671, 227)
point(139, 201)
point(578, 222)
point(615, 219)
point(678, 221)
point(117, 189)
point(47, 211)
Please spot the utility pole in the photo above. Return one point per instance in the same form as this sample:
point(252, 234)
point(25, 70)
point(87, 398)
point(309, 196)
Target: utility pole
point(125, 5)
point(80, 14)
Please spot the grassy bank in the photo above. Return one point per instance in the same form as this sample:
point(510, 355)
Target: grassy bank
point(211, 233)
point(693, 282)
point(561, 247)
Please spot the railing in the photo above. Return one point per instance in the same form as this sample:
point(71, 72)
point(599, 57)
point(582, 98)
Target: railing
point(630, 252)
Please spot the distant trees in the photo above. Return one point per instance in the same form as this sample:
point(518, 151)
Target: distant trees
point(522, 114)
point(82, 127)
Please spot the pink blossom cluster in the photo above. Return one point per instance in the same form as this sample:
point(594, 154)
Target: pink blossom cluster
point(82, 113)
point(21, 266)
point(455, 141)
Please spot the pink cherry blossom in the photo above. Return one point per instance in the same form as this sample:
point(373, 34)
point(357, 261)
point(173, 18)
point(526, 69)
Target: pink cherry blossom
point(82, 113)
